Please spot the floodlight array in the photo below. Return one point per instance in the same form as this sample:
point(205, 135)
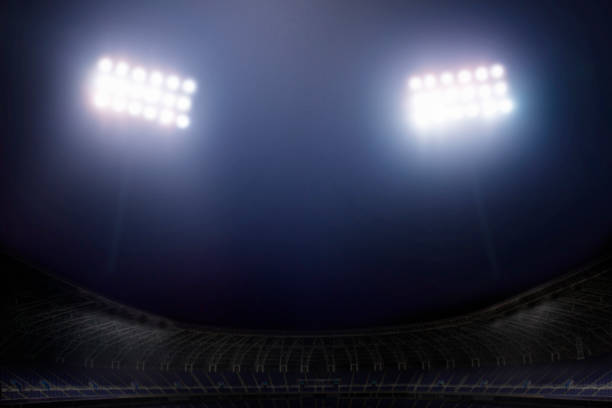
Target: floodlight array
point(135, 91)
point(436, 100)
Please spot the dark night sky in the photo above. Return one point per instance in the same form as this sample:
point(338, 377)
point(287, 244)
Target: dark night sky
point(299, 199)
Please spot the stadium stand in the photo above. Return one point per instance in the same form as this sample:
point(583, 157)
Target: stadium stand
point(63, 343)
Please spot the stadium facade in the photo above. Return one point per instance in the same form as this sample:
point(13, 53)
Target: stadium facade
point(62, 344)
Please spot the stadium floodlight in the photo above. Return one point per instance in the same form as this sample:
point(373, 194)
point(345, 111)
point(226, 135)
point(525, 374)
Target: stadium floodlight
point(119, 88)
point(438, 100)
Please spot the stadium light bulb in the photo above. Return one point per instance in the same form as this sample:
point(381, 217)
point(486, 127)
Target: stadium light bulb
point(501, 88)
point(101, 100)
point(430, 81)
point(465, 76)
point(122, 68)
point(119, 88)
point(166, 117)
point(489, 108)
point(119, 104)
point(150, 113)
point(137, 92)
point(189, 86)
point(152, 95)
point(468, 93)
point(135, 108)
point(472, 111)
point(497, 71)
point(169, 100)
point(463, 95)
point(183, 103)
point(139, 74)
point(481, 74)
point(105, 65)
point(506, 106)
point(173, 83)
point(182, 121)
point(157, 78)
point(485, 91)
point(451, 95)
point(446, 78)
point(415, 83)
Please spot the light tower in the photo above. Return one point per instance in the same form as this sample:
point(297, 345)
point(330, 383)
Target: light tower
point(439, 100)
point(118, 88)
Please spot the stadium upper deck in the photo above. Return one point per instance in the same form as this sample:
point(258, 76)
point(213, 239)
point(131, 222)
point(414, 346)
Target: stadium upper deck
point(49, 320)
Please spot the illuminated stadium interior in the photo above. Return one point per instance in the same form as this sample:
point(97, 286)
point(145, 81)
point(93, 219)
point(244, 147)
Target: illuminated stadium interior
point(305, 204)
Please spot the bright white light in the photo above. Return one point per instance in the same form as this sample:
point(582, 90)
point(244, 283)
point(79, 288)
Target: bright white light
point(458, 99)
point(481, 74)
point(166, 117)
point(182, 121)
point(105, 65)
point(468, 93)
point(103, 84)
point(446, 78)
point(139, 74)
point(152, 95)
point(430, 81)
point(169, 100)
point(418, 98)
point(465, 76)
point(157, 78)
point(484, 91)
point(135, 108)
point(101, 100)
point(435, 98)
point(497, 71)
point(121, 87)
point(415, 83)
point(441, 116)
point(451, 95)
point(489, 108)
point(122, 68)
point(119, 105)
point(501, 88)
point(136, 93)
point(189, 86)
point(506, 106)
point(472, 111)
point(150, 113)
point(173, 83)
point(456, 113)
point(183, 103)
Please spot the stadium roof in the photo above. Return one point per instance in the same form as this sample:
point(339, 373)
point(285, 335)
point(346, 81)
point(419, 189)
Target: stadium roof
point(48, 318)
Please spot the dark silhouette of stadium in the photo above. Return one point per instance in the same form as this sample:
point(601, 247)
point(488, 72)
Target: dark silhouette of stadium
point(67, 346)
